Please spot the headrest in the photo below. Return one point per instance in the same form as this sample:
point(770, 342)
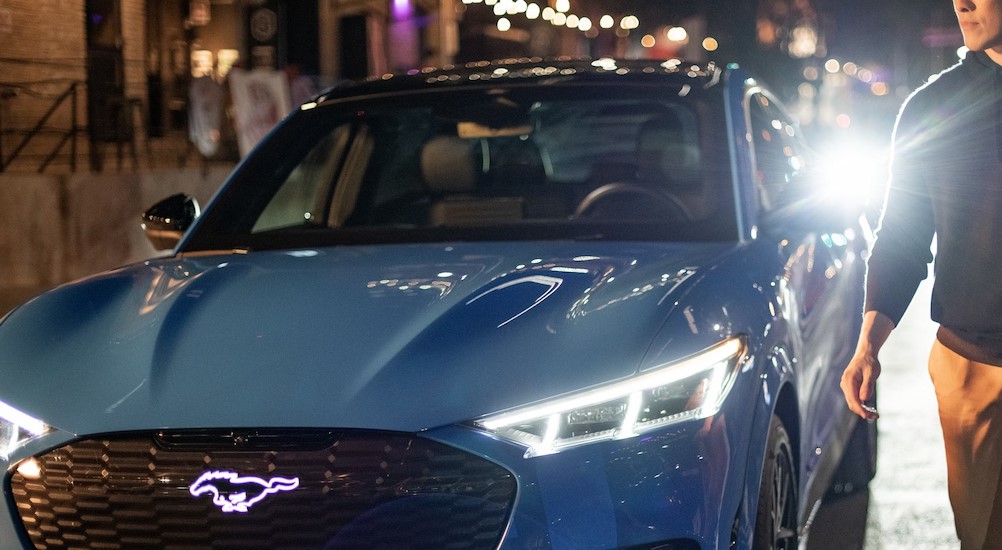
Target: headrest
point(667, 153)
point(447, 165)
point(515, 161)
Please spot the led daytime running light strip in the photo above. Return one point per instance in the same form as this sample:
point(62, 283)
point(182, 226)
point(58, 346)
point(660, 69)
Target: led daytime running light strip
point(673, 373)
point(27, 423)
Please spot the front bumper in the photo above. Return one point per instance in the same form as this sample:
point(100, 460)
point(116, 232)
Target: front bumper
point(461, 487)
point(680, 488)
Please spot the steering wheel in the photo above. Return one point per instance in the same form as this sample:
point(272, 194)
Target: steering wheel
point(669, 204)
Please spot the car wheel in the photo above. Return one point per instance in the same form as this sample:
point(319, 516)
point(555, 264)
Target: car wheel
point(859, 461)
point(776, 518)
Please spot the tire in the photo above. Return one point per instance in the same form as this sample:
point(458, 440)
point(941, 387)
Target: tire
point(776, 517)
point(859, 461)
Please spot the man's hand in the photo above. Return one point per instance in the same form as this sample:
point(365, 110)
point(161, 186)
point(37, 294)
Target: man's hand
point(859, 384)
point(859, 380)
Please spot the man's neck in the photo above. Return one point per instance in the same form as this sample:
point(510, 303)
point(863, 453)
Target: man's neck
point(995, 54)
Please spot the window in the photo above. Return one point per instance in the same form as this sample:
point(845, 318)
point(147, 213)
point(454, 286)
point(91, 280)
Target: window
point(300, 196)
point(779, 153)
point(495, 164)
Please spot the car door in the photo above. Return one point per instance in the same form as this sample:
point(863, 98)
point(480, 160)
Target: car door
point(824, 267)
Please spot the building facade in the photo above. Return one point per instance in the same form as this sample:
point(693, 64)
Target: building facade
point(82, 78)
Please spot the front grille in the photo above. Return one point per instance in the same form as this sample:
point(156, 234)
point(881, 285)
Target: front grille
point(277, 489)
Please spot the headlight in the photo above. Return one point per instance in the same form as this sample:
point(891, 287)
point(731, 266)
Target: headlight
point(17, 428)
point(692, 388)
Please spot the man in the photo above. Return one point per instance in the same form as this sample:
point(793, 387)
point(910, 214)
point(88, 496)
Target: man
point(946, 179)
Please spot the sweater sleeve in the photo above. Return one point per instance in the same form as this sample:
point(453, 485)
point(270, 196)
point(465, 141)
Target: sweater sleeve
point(900, 257)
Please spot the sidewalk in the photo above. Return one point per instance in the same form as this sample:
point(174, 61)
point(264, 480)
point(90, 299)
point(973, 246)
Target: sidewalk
point(909, 508)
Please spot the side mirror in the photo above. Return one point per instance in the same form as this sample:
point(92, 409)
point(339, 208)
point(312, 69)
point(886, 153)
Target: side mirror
point(166, 221)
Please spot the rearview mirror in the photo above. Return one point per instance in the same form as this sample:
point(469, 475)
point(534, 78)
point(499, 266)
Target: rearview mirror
point(166, 221)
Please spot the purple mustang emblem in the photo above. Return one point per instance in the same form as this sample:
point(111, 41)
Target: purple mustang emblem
point(235, 493)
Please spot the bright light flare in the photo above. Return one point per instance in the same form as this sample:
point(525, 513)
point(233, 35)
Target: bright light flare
point(853, 172)
point(27, 423)
point(30, 469)
point(16, 428)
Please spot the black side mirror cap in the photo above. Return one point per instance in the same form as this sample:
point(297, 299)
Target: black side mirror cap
point(166, 221)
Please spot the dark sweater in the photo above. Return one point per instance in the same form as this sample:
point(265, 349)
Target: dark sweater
point(946, 179)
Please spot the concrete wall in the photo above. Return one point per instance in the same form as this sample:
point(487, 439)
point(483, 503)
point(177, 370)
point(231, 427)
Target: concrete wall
point(58, 228)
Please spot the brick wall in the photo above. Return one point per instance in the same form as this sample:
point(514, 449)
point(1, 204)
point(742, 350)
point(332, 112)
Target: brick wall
point(44, 51)
point(134, 47)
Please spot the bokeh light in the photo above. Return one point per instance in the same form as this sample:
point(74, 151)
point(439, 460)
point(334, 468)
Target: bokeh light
point(630, 22)
point(677, 34)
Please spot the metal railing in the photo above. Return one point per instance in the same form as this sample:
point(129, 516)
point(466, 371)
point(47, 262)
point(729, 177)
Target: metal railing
point(9, 91)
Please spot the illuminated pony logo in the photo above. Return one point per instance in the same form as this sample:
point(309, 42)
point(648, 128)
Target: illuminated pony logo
point(235, 493)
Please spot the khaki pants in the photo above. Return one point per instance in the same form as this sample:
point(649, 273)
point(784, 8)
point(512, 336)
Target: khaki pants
point(970, 411)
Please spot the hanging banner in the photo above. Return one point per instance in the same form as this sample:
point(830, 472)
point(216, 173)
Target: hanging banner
point(260, 101)
point(205, 114)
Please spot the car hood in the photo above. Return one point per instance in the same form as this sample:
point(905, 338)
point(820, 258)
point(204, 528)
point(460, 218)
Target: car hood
point(396, 337)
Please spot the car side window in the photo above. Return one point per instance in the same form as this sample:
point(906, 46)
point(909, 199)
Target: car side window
point(779, 153)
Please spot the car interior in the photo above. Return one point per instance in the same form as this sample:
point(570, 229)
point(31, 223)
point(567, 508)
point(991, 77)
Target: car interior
point(566, 162)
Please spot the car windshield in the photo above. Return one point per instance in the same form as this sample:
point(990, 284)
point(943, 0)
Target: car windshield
point(559, 162)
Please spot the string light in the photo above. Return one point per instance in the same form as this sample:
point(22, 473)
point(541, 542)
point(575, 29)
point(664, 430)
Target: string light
point(559, 14)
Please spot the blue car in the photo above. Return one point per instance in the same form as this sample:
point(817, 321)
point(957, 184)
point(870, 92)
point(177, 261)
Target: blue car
point(564, 304)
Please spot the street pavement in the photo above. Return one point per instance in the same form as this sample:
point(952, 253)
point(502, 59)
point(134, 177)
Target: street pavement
point(907, 507)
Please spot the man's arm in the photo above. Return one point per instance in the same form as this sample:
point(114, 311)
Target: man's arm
point(860, 377)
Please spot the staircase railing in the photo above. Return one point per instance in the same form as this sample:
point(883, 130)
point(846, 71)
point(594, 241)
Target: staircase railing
point(8, 91)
